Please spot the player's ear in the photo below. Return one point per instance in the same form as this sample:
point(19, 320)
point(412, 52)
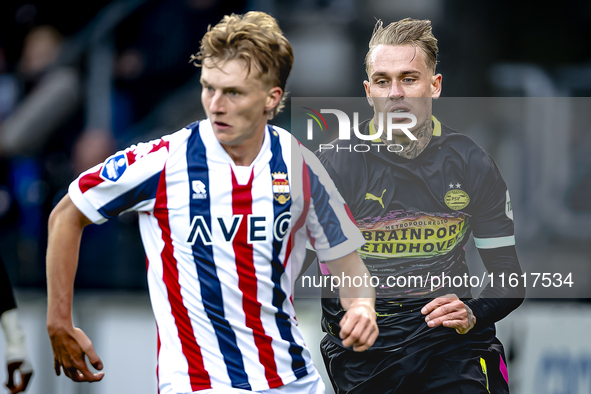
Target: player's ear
point(273, 97)
point(436, 86)
point(367, 93)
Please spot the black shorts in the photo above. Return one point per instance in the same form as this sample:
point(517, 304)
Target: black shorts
point(471, 370)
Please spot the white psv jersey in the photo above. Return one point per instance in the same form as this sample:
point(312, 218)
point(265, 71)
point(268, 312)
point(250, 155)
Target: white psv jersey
point(224, 245)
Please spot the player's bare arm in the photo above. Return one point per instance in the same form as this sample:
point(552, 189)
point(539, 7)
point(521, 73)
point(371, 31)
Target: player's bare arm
point(358, 327)
point(70, 345)
point(449, 311)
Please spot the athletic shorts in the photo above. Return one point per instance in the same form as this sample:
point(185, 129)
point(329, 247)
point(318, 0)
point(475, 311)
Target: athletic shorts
point(473, 370)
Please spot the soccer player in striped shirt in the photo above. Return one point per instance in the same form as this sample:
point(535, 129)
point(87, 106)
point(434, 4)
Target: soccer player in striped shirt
point(225, 208)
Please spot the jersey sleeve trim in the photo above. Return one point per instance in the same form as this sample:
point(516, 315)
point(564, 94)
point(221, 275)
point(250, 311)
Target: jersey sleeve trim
point(83, 205)
point(492, 243)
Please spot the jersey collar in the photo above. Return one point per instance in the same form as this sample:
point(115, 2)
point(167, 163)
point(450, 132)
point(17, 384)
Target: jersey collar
point(219, 154)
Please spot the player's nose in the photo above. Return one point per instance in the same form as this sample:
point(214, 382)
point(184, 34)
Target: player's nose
point(217, 103)
point(396, 91)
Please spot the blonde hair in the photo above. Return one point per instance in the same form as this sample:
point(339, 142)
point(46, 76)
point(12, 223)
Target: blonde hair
point(407, 31)
point(254, 37)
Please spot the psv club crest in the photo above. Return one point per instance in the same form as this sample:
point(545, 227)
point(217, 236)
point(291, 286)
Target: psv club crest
point(280, 187)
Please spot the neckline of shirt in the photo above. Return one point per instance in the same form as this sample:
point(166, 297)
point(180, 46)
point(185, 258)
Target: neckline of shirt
point(220, 155)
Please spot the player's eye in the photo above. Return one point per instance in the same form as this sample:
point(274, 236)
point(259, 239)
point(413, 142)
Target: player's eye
point(382, 82)
point(408, 80)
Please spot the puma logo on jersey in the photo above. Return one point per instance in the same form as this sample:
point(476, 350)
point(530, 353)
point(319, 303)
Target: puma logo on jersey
point(369, 196)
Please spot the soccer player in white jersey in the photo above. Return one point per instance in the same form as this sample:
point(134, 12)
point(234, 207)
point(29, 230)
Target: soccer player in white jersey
point(225, 208)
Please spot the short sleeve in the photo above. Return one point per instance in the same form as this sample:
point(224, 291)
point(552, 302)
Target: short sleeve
point(492, 220)
point(332, 230)
point(128, 180)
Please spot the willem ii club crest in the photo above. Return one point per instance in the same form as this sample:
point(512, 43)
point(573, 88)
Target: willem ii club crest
point(280, 187)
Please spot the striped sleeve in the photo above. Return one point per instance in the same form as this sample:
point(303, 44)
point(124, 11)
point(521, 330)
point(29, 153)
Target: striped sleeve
point(127, 180)
point(331, 228)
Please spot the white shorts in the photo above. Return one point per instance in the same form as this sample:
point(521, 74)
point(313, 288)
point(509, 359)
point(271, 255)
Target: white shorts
point(309, 384)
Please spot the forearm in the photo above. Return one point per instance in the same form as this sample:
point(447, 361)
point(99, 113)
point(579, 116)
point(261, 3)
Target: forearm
point(65, 232)
point(496, 302)
point(353, 267)
point(358, 327)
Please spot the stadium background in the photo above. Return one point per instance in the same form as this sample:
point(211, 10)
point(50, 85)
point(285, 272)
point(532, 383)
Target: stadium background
point(79, 81)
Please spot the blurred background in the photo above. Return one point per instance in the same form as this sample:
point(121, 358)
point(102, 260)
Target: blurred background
point(78, 82)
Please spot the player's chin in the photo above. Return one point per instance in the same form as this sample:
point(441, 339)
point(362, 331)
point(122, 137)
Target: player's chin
point(227, 139)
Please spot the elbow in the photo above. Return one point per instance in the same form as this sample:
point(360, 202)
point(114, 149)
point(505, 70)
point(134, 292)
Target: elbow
point(57, 215)
point(65, 212)
point(53, 218)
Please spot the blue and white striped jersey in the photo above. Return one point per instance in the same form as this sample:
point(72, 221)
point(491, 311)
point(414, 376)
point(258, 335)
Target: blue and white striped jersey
point(224, 245)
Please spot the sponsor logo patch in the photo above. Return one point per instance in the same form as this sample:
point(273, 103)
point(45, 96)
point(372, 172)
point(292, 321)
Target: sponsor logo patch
point(114, 168)
point(508, 208)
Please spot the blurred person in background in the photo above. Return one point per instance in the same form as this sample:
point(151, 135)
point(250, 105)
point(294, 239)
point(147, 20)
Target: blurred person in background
point(47, 96)
point(225, 208)
point(17, 358)
point(44, 98)
point(47, 135)
point(8, 86)
point(416, 205)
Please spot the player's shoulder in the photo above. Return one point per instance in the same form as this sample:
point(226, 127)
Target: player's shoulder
point(285, 138)
point(167, 141)
point(459, 144)
point(290, 142)
point(280, 132)
point(459, 141)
